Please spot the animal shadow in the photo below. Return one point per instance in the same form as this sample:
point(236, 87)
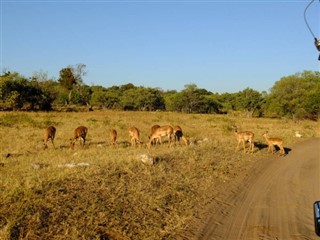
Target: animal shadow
point(287, 150)
point(261, 146)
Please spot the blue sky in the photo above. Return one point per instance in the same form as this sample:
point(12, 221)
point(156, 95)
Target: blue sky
point(222, 46)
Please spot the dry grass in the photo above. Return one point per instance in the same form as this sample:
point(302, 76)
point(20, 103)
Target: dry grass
point(102, 192)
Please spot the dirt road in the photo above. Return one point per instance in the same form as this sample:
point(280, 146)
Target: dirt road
point(273, 202)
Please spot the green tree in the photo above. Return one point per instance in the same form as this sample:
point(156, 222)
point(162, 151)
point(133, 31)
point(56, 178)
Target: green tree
point(67, 80)
point(249, 100)
point(191, 98)
point(312, 103)
point(82, 95)
point(290, 94)
point(18, 92)
point(149, 99)
point(198, 100)
point(112, 98)
point(126, 87)
point(173, 101)
point(98, 95)
point(210, 105)
point(71, 77)
point(228, 101)
point(128, 99)
point(143, 99)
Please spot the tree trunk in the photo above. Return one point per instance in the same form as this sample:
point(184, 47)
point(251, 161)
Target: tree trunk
point(69, 96)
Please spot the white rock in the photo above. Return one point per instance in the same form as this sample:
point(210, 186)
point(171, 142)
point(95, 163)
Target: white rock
point(146, 159)
point(72, 165)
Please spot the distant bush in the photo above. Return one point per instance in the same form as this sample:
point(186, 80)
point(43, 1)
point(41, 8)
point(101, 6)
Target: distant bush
point(18, 93)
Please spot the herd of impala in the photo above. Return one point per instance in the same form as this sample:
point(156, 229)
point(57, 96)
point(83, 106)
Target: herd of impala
point(157, 132)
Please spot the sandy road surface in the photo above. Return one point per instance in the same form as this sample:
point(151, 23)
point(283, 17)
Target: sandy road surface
point(274, 202)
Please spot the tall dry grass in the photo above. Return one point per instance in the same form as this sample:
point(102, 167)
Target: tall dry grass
point(106, 192)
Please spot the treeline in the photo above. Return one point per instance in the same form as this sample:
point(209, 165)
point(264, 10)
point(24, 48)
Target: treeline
point(295, 96)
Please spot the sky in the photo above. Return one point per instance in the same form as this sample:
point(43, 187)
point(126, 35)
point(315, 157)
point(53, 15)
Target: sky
point(221, 46)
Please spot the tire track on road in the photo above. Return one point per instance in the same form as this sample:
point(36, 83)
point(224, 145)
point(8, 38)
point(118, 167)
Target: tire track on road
point(274, 202)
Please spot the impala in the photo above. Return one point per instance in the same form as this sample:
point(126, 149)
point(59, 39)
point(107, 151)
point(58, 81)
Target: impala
point(243, 137)
point(134, 136)
point(153, 129)
point(272, 141)
point(79, 133)
point(178, 135)
point(161, 132)
point(49, 133)
point(113, 137)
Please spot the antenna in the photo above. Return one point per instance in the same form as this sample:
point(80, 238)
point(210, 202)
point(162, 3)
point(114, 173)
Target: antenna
point(316, 41)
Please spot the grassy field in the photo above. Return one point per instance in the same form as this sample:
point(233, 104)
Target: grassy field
point(106, 192)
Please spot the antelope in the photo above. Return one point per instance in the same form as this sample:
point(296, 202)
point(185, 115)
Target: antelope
point(49, 133)
point(113, 137)
point(274, 142)
point(134, 136)
point(178, 135)
point(79, 133)
point(153, 129)
point(244, 137)
point(160, 132)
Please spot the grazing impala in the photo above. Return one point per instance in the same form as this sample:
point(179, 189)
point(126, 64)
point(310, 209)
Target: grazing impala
point(49, 133)
point(178, 135)
point(153, 129)
point(244, 137)
point(113, 137)
point(79, 133)
point(134, 136)
point(274, 142)
point(161, 132)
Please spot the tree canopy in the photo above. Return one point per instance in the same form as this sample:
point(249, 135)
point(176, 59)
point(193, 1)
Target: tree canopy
point(296, 96)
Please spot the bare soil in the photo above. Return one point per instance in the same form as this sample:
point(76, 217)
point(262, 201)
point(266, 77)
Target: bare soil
point(274, 200)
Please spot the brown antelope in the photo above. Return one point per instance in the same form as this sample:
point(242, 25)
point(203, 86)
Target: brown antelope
point(274, 142)
point(244, 137)
point(153, 129)
point(79, 133)
point(134, 136)
point(49, 133)
point(113, 137)
point(178, 135)
point(160, 132)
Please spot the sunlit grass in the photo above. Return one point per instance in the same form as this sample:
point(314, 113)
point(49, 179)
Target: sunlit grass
point(104, 191)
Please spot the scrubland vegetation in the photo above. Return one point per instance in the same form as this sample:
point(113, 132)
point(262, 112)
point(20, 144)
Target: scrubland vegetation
point(106, 192)
point(295, 96)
